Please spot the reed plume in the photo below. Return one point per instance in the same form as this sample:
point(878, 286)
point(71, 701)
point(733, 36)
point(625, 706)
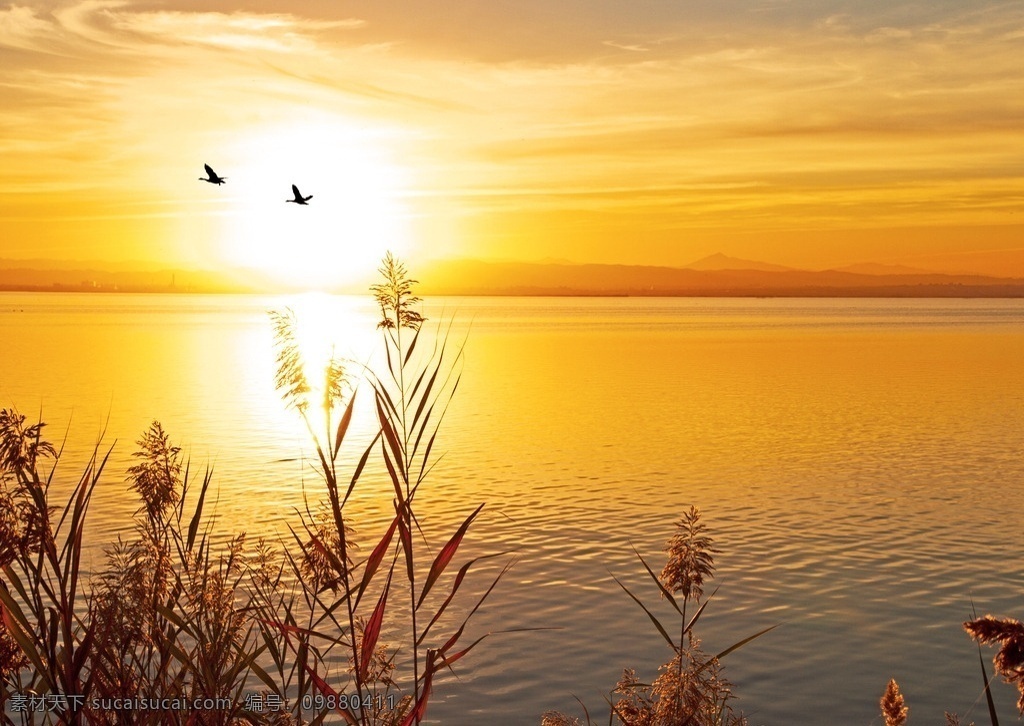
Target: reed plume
point(325, 562)
point(395, 298)
point(689, 690)
point(290, 378)
point(21, 446)
point(12, 658)
point(894, 712)
point(157, 478)
point(1009, 660)
point(12, 536)
point(25, 527)
point(690, 557)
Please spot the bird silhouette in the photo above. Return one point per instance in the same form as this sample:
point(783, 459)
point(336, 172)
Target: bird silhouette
point(212, 176)
point(299, 199)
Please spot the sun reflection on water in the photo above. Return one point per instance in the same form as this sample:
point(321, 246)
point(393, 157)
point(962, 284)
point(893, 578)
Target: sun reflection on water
point(326, 326)
point(331, 327)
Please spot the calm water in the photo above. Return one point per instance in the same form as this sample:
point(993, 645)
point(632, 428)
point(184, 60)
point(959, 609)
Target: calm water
point(858, 462)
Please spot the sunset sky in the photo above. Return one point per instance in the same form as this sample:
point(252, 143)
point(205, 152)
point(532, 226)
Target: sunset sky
point(811, 134)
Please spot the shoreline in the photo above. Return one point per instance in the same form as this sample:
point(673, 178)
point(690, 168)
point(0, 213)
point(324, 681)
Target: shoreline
point(1008, 292)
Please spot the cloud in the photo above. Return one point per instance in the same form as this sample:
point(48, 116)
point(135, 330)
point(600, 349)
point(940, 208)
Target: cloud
point(99, 26)
point(239, 31)
point(783, 122)
point(630, 47)
point(22, 28)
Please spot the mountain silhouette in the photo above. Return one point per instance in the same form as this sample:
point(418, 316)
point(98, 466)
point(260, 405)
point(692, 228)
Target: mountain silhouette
point(718, 261)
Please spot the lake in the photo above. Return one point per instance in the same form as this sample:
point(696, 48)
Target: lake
point(858, 463)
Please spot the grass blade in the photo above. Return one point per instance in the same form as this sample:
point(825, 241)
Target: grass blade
point(326, 690)
point(391, 435)
point(420, 709)
point(412, 347)
point(445, 555)
point(343, 425)
point(657, 624)
point(359, 468)
point(988, 691)
point(372, 632)
point(657, 580)
point(13, 618)
point(193, 526)
point(737, 646)
point(375, 558)
point(451, 594)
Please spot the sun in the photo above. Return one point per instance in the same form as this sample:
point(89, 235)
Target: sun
point(355, 215)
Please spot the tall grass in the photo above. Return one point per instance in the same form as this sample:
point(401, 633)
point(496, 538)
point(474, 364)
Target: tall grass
point(1008, 633)
point(161, 621)
point(355, 596)
point(40, 554)
point(203, 630)
point(691, 689)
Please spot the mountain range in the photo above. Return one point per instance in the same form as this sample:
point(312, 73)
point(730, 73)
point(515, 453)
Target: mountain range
point(715, 275)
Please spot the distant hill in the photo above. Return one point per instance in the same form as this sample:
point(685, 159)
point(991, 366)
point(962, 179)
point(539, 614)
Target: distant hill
point(105, 265)
point(97, 279)
point(721, 276)
point(719, 261)
point(874, 268)
point(998, 263)
point(471, 277)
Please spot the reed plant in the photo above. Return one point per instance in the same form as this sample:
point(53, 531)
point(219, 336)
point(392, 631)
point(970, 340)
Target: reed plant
point(40, 554)
point(1009, 659)
point(1008, 633)
point(691, 689)
point(895, 711)
point(397, 586)
point(162, 623)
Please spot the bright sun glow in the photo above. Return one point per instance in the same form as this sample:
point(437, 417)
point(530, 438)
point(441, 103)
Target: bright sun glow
point(355, 216)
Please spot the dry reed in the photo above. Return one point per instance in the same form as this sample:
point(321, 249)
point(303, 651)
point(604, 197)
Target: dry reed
point(894, 711)
point(691, 688)
point(1009, 660)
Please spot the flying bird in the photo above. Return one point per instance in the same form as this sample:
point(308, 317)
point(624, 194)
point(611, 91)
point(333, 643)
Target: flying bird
point(212, 176)
point(299, 199)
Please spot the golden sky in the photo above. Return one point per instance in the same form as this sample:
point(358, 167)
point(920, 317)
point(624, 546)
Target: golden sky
point(812, 134)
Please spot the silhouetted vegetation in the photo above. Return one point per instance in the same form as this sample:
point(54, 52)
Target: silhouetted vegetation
point(1009, 660)
point(252, 632)
point(691, 688)
point(1009, 663)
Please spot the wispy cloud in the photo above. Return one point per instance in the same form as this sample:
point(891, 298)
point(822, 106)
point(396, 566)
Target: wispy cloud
point(104, 26)
point(239, 31)
point(798, 114)
point(633, 47)
point(22, 28)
